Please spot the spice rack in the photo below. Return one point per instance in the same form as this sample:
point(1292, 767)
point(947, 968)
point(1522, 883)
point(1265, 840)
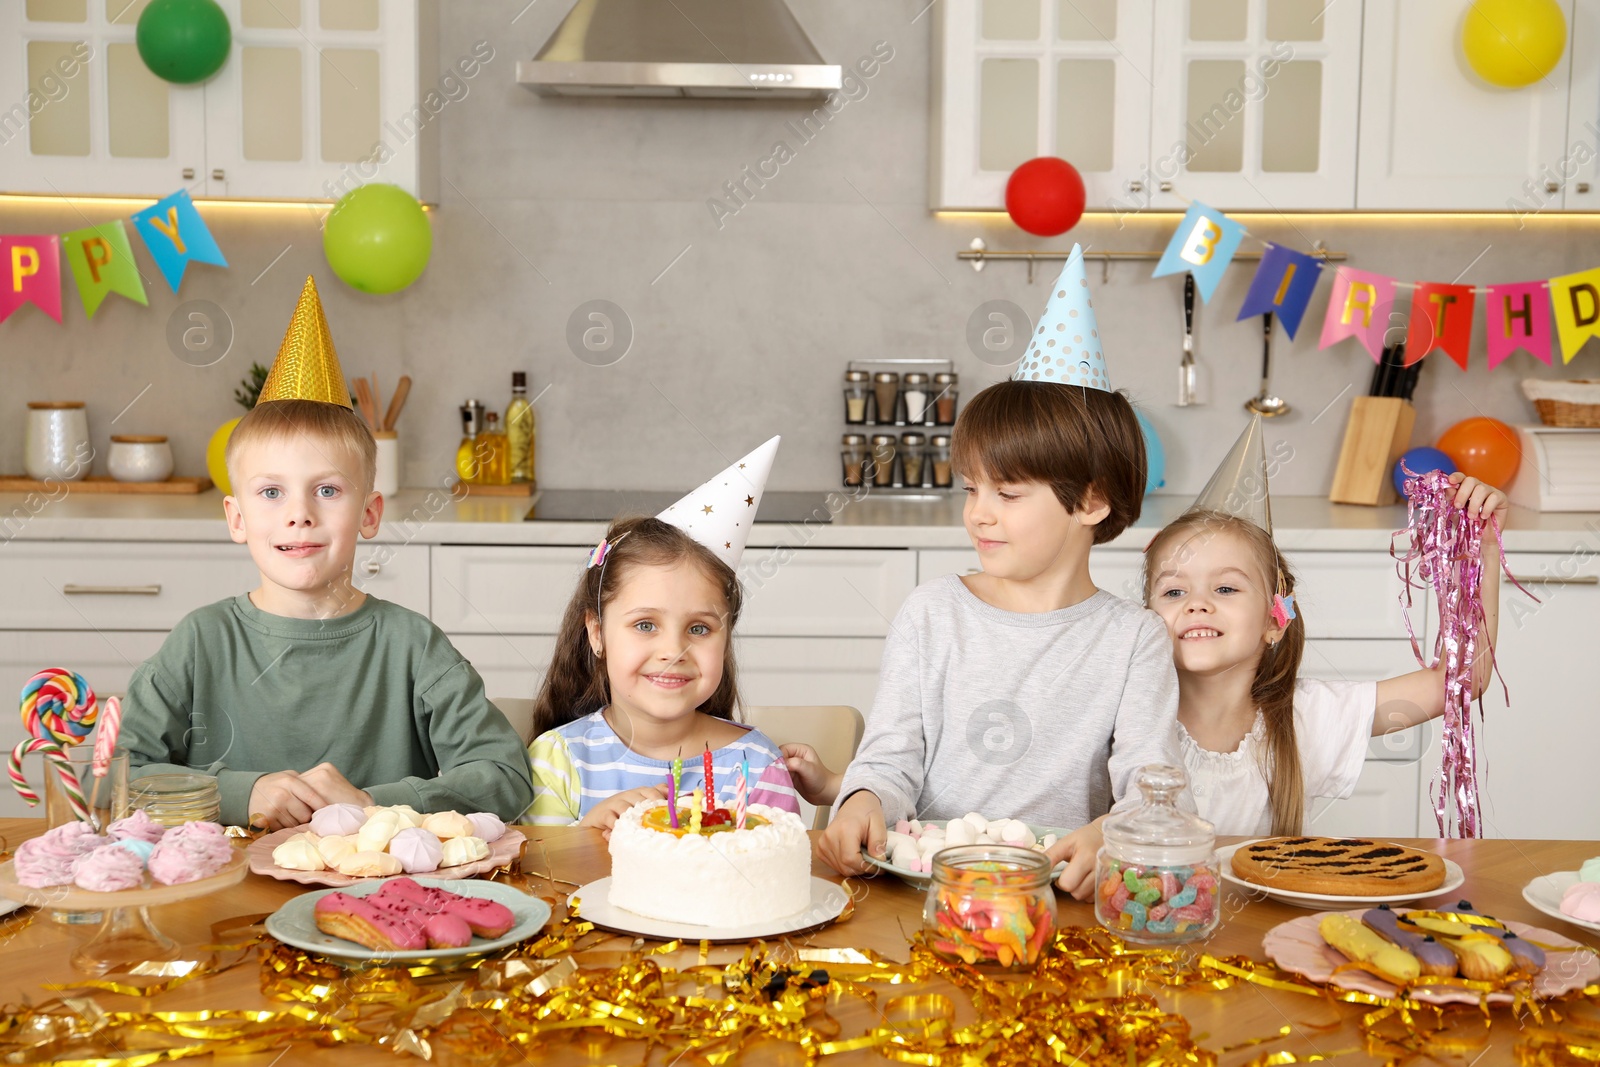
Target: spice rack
point(898, 423)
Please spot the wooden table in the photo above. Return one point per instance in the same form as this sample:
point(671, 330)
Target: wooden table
point(1496, 872)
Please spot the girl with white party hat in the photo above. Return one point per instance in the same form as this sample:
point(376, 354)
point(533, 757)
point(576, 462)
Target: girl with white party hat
point(1257, 739)
point(643, 673)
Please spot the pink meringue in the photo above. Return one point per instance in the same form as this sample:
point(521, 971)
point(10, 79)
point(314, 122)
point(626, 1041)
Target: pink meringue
point(47, 860)
point(417, 850)
point(487, 825)
point(337, 820)
point(138, 826)
point(109, 869)
point(1582, 901)
point(189, 853)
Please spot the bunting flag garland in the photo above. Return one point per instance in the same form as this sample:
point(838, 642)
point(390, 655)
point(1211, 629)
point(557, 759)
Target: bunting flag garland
point(1519, 317)
point(1203, 246)
point(1359, 307)
point(1575, 299)
point(1283, 286)
point(100, 258)
point(175, 234)
point(31, 267)
point(102, 262)
point(1441, 317)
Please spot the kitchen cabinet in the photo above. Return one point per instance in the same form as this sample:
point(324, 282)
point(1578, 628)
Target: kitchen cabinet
point(1242, 103)
point(1577, 169)
point(317, 97)
point(1433, 136)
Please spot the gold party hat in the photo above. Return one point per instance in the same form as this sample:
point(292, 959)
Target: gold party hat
point(307, 367)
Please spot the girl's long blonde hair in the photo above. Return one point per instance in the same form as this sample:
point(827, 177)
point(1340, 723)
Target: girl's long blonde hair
point(1273, 686)
point(576, 683)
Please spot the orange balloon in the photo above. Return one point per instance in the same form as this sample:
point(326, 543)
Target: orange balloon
point(1486, 449)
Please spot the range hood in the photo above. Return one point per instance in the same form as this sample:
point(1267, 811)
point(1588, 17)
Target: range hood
point(678, 48)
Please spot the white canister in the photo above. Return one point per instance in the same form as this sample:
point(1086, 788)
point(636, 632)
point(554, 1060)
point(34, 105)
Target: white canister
point(137, 458)
point(387, 480)
point(58, 441)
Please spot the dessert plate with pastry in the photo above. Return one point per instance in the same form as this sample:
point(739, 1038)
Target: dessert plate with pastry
point(409, 920)
point(344, 843)
point(1438, 956)
point(1571, 896)
point(1329, 873)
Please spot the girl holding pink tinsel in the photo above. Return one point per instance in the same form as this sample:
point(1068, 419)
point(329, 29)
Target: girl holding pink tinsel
point(1257, 739)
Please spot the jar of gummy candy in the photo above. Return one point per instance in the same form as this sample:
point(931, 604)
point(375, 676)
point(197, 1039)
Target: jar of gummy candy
point(1156, 876)
point(990, 905)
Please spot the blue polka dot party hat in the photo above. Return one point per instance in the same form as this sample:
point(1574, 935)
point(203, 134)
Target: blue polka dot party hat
point(1065, 347)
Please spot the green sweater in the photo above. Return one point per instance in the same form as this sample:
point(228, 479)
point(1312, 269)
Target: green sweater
point(379, 693)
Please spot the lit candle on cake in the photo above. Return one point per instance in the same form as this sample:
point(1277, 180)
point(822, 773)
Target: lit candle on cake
point(711, 789)
point(694, 814)
point(741, 790)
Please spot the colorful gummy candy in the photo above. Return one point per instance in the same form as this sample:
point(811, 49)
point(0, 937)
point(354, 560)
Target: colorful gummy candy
point(1175, 902)
point(979, 922)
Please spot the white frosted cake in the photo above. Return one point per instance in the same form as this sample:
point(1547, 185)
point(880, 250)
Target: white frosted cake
point(717, 877)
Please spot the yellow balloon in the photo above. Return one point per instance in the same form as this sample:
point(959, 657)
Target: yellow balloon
point(1512, 43)
point(216, 452)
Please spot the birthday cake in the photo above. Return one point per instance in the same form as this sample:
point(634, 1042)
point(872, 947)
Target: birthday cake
point(706, 871)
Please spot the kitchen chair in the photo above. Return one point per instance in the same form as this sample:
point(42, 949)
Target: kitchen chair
point(833, 730)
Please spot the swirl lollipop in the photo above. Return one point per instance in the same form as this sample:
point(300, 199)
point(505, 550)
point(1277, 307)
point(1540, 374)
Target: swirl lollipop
point(58, 705)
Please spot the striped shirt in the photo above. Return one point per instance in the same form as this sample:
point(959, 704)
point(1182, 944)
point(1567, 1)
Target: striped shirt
point(578, 765)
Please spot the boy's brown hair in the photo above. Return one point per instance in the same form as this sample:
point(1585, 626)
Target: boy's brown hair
point(1067, 437)
point(340, 427)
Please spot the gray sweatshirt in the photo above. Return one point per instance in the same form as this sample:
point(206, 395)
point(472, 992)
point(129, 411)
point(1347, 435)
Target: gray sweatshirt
point(1041, 717)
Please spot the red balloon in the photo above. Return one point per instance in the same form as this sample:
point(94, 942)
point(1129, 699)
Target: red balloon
point(1486, 449)
point(1045, 196)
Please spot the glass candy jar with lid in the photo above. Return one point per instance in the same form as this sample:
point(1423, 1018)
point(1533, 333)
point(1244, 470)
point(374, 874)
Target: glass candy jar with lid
point(881, 462)
point(990, 906)
point(857, 396)
point(886, 395)
point(1156, 876)
point(853, 451)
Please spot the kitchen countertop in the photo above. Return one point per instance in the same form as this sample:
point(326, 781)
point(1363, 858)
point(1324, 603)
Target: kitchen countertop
point(931, 521)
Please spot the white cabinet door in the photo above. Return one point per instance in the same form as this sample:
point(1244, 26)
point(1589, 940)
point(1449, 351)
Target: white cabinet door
point(1436, 137)
point(392, 572)
point(1577, 170)
point(83, 113)
point(512, 665)
point(1384, 804)
point(503, 589)
point(823, 592)
point(318, 99)
point(106, 659)
point(808, 671)
point(77, 585)
point(1016, 79)
point(1254, 104)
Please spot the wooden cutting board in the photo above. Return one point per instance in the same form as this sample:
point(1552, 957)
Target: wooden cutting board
point(17, 483)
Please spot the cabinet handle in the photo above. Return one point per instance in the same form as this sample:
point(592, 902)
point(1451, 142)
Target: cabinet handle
point(371, 568)
point(219, 175)
point(111, 590)
point(188, 174)
point(1166, 187)
point(1136, 186)
point(1541, 579)
point(1552, 187)
point(1583, 187)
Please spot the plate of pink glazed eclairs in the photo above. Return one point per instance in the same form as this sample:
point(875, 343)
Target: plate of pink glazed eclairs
point(134, 854)
point(344, 844)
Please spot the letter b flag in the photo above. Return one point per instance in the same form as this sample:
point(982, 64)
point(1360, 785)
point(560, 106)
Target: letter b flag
point(1204, 246)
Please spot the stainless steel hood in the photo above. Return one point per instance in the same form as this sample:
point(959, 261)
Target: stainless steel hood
point(678, 48)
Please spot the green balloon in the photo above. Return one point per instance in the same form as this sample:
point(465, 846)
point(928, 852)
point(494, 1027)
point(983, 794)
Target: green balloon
point(184, 41)
point(377, 239)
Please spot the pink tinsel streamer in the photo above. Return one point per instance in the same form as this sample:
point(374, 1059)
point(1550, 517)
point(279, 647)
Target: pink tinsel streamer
point(1446, 555)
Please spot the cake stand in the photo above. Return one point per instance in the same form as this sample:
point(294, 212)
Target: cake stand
point(126, 934)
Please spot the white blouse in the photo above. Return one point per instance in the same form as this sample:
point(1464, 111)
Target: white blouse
point(1332, 724)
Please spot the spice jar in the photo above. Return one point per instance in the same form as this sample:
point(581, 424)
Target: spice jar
point(854, 453)
point(939, 460)
point(885, 391)
point(1156, 875)
point(915, 392)
point(913, 448)
point(857, 388)
point(943, 408)
point(990, 906)
point(882, 464)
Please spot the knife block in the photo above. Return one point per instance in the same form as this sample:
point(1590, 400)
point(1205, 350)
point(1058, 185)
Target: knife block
point(1378, 433)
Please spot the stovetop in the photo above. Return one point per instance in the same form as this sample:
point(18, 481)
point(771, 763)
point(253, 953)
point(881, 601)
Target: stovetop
point(603, 505)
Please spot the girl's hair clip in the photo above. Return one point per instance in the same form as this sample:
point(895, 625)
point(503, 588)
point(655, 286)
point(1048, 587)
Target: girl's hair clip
point(1282, 609)
point(598, 554)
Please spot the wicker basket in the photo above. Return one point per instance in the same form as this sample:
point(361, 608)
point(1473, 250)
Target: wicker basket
point(1569, 403)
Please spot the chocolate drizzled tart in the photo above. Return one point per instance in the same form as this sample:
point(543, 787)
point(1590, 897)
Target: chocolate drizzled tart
point(1346, 866)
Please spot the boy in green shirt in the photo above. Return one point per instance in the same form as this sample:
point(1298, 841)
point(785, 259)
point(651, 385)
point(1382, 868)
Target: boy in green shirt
point(305, 691)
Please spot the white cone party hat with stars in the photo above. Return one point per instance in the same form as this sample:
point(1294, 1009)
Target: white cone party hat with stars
point(720, 512)
point(1065, 348)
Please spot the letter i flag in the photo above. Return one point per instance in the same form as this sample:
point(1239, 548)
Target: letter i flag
point(1518, 317)
point(1575, 298)
point(1283, 286)
point(30, 273)
point(1204, 246)
point(175, 234)
point(102, 263)
point(1441, 317)
point(1359, 307)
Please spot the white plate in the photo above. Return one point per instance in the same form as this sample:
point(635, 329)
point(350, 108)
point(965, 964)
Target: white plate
point(827, 904)
point(920, 879)
point(9, 906)
point(1454, 878)
point(296, 923)
point(1545, 893)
